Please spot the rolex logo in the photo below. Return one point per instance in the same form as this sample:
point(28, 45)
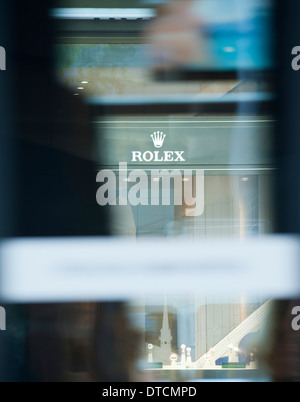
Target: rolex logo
point(158, 138)
point(168, 185)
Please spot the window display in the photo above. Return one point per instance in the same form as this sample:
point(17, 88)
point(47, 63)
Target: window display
point(192, 176)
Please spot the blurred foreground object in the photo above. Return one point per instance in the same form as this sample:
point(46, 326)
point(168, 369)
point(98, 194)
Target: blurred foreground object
point(174, 35)
point(54, 195)
point(219, 36)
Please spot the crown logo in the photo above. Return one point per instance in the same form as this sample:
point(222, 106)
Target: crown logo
point(158, 139)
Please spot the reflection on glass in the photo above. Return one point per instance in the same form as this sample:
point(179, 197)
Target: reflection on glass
point(215, 35)
point(225, 160)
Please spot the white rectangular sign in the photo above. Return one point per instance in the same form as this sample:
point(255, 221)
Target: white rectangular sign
point(79, 269)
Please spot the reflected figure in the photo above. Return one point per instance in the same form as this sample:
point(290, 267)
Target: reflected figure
point(175, 35)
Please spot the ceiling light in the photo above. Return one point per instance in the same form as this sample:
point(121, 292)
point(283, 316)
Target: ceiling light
point(229, 49)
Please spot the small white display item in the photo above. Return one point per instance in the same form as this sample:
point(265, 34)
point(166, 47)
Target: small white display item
point(165, 337)
point(209, 359)
point(183, 357)
point(150, 355)
point(236, 355)
point(173, 359)
point(230, 354)
point(188, 357)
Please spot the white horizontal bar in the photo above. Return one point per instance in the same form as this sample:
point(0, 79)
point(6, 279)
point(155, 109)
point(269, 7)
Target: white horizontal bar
point(173, 121)
point(102, 13)
point(178, 98)
point(78, 269)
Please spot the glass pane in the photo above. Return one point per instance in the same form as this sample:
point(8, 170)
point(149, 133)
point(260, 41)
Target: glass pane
point(159, 120)
point(184, 175)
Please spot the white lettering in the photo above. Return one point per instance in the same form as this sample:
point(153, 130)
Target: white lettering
point(171, 391)
point(123, 183)
point(296, 60)
point(166, 156)
point(2, 58)
point(150, 391)
point(135, 155)
point(149, 158)
point(166, 176)
point(189, 199)
point(109, 188)
point(2, 319)
point(126, 392)
point(179, 157)
point(156, 159)
point(296, 320)
point(189, 188)
point(140, 188)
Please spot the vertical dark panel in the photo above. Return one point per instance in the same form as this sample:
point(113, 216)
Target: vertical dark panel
point(8, 367)
point(287, 35)
point(54, 192)
point(284, 354)
point(6, 123)
point(55, 186)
